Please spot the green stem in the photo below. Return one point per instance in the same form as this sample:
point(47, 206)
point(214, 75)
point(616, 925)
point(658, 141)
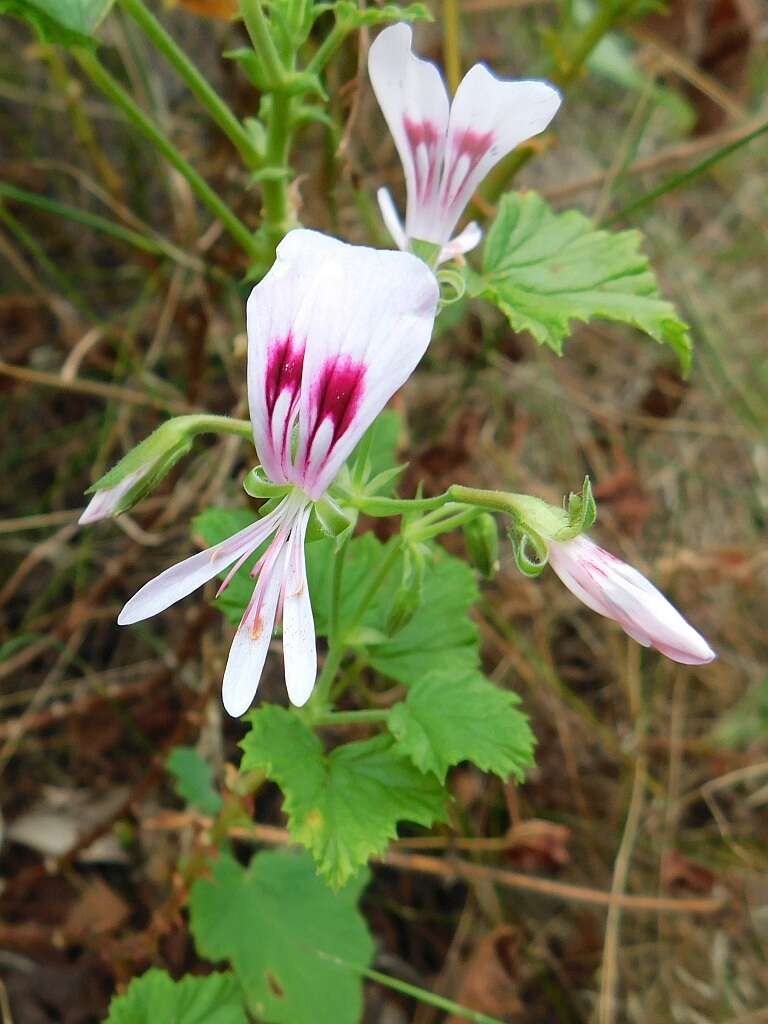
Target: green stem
point(93, 67)
point(196, 81)
point(277, 215)
point(442, 525)
point(328, 47)
point(379, 507)
point(207, 423)
point(263, 43)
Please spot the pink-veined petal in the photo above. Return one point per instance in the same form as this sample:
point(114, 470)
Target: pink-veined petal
point(414, 101)
point(275, 350)
point(465, 241)
point(618, 591)
point(489, 118)
point(299, 647)
point(181, 579)
point(251, 642)
point(391, 219)
point(367, 318)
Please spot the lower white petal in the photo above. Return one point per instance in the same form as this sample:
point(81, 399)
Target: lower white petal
point(181, 579)
point(299, 648)
point(466, 240)
point(391, 219)
point(251, 643)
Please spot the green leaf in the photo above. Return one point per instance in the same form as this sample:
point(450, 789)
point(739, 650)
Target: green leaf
point(343, 806)
point(544, 269)
point(450, 717)
point(193, 779)
point(69, 22)
point(439, 635)
point(273, 921)
point(155, 998)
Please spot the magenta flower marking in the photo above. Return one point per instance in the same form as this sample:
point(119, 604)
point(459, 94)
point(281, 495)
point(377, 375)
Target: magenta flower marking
point(468, 149)
point(423, 138)
point(336, 395)
point(283, 371)
point(333, 331)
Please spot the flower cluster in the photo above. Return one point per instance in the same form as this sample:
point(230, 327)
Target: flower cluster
point(333, 331)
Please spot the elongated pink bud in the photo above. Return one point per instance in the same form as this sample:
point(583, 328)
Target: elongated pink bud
point(612, 588)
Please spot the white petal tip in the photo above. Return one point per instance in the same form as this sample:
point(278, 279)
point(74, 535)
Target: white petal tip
point(235, 705)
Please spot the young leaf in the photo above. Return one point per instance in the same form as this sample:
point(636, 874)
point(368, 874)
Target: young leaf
point(193, 779)
point(544, 269)
point(156, 997)
point(453, 716)
point(279, 926)
point(69, 22)
point(343, 806)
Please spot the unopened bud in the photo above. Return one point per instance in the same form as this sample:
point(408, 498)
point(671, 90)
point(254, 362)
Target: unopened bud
point(482, 539)
point(409, 594)
point(138, 472)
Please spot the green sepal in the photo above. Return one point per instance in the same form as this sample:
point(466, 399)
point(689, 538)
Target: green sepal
point(335, 522)
point(427, 251)
point(530, 564)
point(481, 535)
point(256, 485)
point(582, 512)
point(453, 286)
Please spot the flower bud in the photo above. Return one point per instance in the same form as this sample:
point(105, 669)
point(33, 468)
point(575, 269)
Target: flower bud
point(138, 472)
point(612, 588)
point(481, 536)
point(410, 593)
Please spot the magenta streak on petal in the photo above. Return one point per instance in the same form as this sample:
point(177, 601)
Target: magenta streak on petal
point(466, 143)
point(423, 133)
point(285, 363)
point(253, 616)
point(335, 396)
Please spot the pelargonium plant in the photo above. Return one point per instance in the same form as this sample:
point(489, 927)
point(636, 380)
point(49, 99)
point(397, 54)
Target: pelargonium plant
point(334, 331)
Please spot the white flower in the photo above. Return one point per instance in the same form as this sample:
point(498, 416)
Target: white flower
point(612, 588)
point(447, 148)
point(333, 331)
